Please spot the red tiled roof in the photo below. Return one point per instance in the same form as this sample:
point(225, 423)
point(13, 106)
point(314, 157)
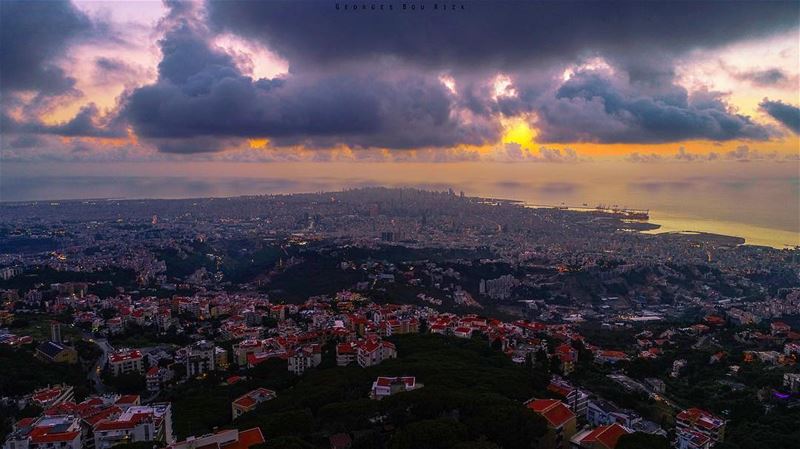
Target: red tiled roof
point(103, 414)
point(119, 425)
point(696, 437)
point(40, 435)
point(122, 356)
point(540, 405)
point(608, 436)
point(245, 401)
point(555, 412)
point(340, 441)
point(559, 415)
point(25, 422)
point(47, 395)
point(247, 439)
point(561, 390)
point(387, 381)
point(345, 348)
point(700, 417)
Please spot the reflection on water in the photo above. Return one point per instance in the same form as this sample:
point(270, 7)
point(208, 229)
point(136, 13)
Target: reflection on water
point(759, 202)
point(753, 235)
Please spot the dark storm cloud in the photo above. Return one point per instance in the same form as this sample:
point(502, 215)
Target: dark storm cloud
point(202, 97)
point(110, 64)
point(787, 114)
point(32, 35)
point(501, 34)
point(769, 77)
point(25, 141)
point(109, 70)
point(639, 39)
point(185, 53)
point(358, 110)
point(595, 107)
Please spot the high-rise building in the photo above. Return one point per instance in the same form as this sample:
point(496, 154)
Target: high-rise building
point(55, 332)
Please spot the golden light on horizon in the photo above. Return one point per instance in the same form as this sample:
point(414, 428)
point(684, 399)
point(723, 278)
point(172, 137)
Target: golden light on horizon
point(518, 130)
point(258, 143)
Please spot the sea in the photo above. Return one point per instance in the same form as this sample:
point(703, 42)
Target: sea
point(758, 201)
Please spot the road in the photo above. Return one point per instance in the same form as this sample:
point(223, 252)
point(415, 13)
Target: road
point(97, 368)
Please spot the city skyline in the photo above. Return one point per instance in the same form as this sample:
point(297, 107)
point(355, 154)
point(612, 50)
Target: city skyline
point(617, 104)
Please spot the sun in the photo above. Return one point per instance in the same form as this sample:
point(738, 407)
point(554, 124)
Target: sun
point(518, 131)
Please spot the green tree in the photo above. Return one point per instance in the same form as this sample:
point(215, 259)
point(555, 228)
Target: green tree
point(440, 433)
point(293, 422)
point(284, 442)
point(483, 444)
point(641, 440)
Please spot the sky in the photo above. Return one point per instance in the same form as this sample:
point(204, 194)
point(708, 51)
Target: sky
point(494, 81)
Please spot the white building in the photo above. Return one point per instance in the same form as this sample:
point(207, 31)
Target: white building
point(126, 361)
point(46, 432)
point(305, 357)
point(792, 381)
point(137, 423)
point(692, 423)
point(387, 386)
point(202, 357)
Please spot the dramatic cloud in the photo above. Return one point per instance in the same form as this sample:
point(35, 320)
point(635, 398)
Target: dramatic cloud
point(380, 85)
point(741, 153)
point(767, 78)
point(86, 123)
point(592, 107)
point(787, 114)
point(202, 96)
point(502, 35)
point(744, 153)
point(686, 156)
point(108, 70)
point(32, 35)
point(644, 158)
point(514, 152)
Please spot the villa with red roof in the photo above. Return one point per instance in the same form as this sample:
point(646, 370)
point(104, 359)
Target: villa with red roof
point(779, 328)
point(46, 432)
point(689, 439)
point(367, 352)
point(49, 397)
point(126, 361)
point(603, 437)
point(250, 400)
point(695, 420)
point(346, 353)
point(224, 439)
point(373, 351)
point(463, 332)
point(303, 358)
point(136, 423)
point(603, 356)
point(560, 422)
point(387, 386)
point(577, 400)
point(156, 377)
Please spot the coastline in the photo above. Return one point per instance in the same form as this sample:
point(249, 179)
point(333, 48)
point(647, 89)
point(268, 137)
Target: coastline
point(706, 229)
point(752, 235)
